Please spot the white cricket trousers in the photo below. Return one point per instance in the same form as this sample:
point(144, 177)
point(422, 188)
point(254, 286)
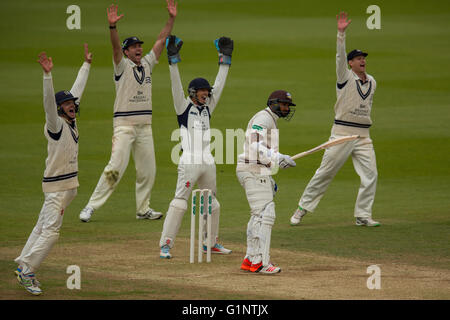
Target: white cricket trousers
point(46, 232)
point(204, 175)
point(260, 192)
point(363, 157)
point(137, 140)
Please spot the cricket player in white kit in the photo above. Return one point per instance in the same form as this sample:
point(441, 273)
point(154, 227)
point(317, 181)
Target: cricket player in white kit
point(355, 90)
point(60, 180)
point(196, 165)
point(260, 160)
point(132, 118)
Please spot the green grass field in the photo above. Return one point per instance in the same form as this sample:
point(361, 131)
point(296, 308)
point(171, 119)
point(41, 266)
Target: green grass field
point(284, 44)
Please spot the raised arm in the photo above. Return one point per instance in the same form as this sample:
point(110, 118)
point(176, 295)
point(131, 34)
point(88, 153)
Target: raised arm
point(82, 77)
point(165, 32)
point(113, 18)
point(224, 46)
point(342, 71)
point(173, 45)
point(51, 114)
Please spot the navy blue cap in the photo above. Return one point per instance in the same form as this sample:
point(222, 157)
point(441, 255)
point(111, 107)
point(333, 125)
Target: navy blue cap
point(355, 53)
point(62, 96)
point(129, 41)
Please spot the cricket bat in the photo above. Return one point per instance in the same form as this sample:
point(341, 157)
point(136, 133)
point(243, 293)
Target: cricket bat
point(325, 145)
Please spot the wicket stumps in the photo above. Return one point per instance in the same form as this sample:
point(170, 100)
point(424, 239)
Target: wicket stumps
point(202, 204)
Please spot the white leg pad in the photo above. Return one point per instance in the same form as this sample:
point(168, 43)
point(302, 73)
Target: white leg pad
point(172, 222)
point(268, 220)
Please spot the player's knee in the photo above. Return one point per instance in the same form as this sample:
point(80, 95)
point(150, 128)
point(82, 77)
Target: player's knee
point(215, 206)
point(268, 215)
point(178, 203)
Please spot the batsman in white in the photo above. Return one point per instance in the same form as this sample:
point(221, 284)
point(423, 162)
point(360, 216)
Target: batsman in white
point(132, 118)
point(260, 160)
point(355, 90)
point(196, 165)
point(60, 180)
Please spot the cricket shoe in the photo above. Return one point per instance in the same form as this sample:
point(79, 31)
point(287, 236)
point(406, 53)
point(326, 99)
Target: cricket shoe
point(29, 282)
point(368, 222)
point(270, 269)
point(218, 248)
point(255, 267)
point(86, 214)
point(246, 264)
point(164, 253)
point(267, 269)
point(297, 216)
point(149, 214)
point(19, 271)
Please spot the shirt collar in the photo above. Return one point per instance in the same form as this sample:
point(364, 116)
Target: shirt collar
point(360, 81)
point(272, 114)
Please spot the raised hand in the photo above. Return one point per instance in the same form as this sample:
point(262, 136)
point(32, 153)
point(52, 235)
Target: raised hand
point(224, 45)
point(173, 45)
point(87, 54)
point(112, 15)
point(172, 8)
point(45, 62)
point(342, 21)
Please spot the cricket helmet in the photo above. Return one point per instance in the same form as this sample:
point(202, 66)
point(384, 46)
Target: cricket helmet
point(196, 84)
point(273, 102)
point(62, 96)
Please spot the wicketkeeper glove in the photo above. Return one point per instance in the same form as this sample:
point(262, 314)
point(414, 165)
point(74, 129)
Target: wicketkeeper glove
point(224, 46)
point(173, 46)
point(285, 161)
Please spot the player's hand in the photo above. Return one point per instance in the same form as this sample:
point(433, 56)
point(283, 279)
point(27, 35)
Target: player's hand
point(285, 161)
point(45, 62)
point(224, 45)
point(87, 54)
point(112, 15)
point(172, 8)
point(173, 46)
point(342, 21)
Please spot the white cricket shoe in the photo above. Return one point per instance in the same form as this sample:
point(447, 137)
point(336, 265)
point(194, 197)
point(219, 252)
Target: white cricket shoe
point(29, 282)
point(368, 222)
point(86, 214)
point(297, 216)
point(267, 269)
point(218, 248)
point(270, 269)
point(150, 214)
point(164, 253)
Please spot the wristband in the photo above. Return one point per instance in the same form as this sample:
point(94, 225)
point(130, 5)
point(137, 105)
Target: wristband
point(112, 27)
point(223, 59)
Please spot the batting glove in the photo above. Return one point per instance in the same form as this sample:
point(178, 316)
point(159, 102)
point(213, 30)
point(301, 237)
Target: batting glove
point(173, 46)
point(224, 46)
point(285, 161)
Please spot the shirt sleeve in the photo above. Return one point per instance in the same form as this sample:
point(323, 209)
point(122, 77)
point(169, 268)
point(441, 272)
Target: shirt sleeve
point(151, 59)
point(52, 119)
point(119, 68)
point(179, 100)
point(81, 80)
point(342, 71)
point(218, 86)
point(260, 127)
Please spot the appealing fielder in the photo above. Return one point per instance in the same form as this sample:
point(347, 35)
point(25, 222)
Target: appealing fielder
point(355, 90)
point(132, 118)
point(254, 171)
point(60, 180)
point(196, 164)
